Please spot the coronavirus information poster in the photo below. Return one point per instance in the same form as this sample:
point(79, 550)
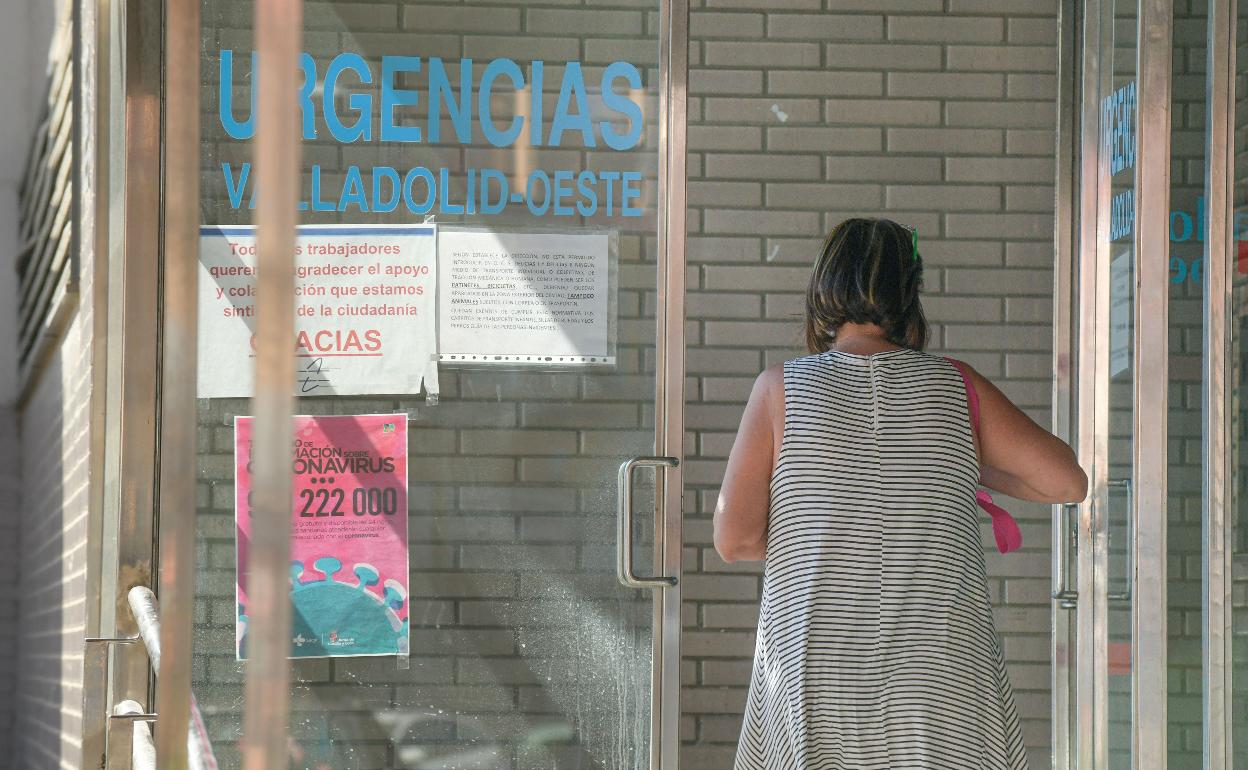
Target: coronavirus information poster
point(365, 304)
point(348, 547)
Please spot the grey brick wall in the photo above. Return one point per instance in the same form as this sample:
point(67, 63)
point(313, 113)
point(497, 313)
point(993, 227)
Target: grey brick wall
point(937, 113)
point(10, 527)
point(43, 492)
point(51, 553)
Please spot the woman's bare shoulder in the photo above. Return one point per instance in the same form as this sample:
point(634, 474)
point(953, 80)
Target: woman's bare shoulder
point(770, 387)
point(980, 382)
point(772, 378)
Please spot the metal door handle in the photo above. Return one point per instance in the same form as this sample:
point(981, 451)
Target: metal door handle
point(624, 514)
point(1067, 598)
point(1125, 595)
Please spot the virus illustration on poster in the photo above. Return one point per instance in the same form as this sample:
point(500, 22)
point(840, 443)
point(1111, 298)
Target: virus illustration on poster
point(331, 616)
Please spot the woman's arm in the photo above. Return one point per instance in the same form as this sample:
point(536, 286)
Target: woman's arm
point(745, 496)
point(1020, 458)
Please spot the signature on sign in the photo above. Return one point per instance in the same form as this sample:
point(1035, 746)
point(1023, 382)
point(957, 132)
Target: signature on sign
point(311, 375)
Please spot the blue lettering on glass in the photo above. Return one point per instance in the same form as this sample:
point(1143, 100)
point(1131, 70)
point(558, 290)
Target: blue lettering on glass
point(587, 200)
point(621, 104)
point(225, 100)
point(384, 205)
point(488, 191)
point(353, 191)
point(440, 90)
point(630, 189)
point(430, 187)
point(235, 191)
point(531, 199)
point(392, 97)
point(1122, 214)
point(536, 80)
point(494, 70)
point(308, 67)
point(563, 190)
point(317, 203)
point(1118, 120)
point(444, 188)
point(571, 112)
point(361, 103)
point(351, 113)
point(495, 206)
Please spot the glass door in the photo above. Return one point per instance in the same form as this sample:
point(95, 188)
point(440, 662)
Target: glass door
point(1156, 636)
point(1109, 551)
point(1116, 478)
point(488, 357)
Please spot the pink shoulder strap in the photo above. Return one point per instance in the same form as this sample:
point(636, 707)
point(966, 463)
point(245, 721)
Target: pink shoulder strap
point(972, 396)
point(1004, 528)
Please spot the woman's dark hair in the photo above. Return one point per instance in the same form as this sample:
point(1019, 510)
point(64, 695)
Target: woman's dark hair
point(868, 271)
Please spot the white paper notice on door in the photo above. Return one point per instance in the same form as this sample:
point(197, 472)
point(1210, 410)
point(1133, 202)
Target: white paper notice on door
point(1120, 313)
point(365, 301)
point(539, 299)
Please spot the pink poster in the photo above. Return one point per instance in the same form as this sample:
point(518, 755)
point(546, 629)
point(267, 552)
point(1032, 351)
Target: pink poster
point(348, 547)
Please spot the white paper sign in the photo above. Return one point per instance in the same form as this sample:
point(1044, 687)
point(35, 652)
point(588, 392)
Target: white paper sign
point(530, 298)
point(1120, 313)
point(365, 298)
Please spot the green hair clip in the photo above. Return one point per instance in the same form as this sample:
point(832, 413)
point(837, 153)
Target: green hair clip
point(914, 244)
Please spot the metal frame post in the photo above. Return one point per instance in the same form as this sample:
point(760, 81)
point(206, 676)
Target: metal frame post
point(176, 531)
point(670, 387)
point(1152, 383)
point(276, 154)
point(1219, 381)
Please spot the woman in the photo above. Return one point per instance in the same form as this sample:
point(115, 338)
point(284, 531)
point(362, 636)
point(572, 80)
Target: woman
point(854, 475)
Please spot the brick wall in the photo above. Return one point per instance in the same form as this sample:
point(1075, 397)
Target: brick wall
point(937, 113)
point(44, 544)
point(52, 547)
point(24, 51)
point(10, 527)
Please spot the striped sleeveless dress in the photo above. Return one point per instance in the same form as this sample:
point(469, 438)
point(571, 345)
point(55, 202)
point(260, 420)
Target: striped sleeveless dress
point(876, 646)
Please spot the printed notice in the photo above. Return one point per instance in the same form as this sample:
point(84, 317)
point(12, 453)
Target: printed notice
point(530, 298)
point(1120, 312)
point(348, 547)
point(364, 310)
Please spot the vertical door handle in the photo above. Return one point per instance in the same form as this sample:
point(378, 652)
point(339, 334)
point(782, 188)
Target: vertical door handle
point(1125, 594)
point(624, 515)
point(1067, 598)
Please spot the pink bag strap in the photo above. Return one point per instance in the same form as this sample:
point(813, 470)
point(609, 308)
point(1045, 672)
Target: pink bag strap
point(1004, 528)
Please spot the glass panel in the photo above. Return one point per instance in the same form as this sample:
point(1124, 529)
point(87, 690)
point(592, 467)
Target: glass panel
point(1238, 408)
point(525, 652)
point(1186, 421)
point(1119, 124)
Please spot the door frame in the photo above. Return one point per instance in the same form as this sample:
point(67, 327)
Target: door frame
point(1079, 688)
point(670, 395)
point(1220, 380)
point(172, 567)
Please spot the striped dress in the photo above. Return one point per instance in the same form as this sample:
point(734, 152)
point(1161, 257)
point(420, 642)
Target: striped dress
point(876, 646)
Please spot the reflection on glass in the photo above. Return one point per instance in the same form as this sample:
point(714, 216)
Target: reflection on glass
point(1237, 361)
point(1184, 538)
point(525, 650)
point(1118, 144)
